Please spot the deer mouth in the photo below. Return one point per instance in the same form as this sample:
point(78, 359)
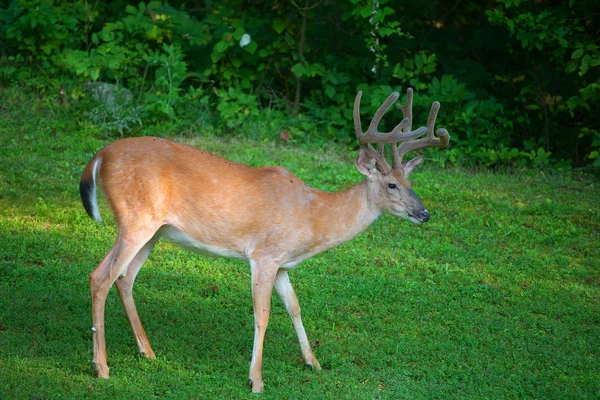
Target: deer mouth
point(419, 217)
point(410, 217)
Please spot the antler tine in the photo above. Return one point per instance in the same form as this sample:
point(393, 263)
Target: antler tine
point(396, 158)
point(407, 109)
point(381, 110)
point(407, 113)
point(428, 141)
point(356, 116)
point(372, 135)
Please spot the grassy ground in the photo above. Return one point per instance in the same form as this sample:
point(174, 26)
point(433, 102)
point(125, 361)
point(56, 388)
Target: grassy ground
point(495, 297)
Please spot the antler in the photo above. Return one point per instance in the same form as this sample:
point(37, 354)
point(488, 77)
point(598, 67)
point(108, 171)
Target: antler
point(372, 135)
point(430, 140)
point(402, 131)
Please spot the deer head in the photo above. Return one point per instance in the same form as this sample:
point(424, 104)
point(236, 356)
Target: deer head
point(388, 186)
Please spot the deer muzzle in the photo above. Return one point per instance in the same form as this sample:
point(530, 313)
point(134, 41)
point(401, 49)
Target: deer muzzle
point(422, 215)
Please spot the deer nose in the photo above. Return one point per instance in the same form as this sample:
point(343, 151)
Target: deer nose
point(424, 215)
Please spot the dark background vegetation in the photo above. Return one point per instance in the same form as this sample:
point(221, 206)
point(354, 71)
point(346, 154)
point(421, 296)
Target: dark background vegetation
point(518, 80)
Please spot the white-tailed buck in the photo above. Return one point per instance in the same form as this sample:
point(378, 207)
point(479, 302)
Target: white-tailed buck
point(266, 216)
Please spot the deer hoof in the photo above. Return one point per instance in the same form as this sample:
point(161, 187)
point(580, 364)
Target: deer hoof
point(101, 371)
point(257, 386)
point(148, 354)
point(313, 366)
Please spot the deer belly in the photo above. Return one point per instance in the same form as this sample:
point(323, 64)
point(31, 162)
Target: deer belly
point(181, 239)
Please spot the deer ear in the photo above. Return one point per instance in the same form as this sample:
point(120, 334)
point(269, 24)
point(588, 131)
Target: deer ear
point(365, 162)
point(410, 165)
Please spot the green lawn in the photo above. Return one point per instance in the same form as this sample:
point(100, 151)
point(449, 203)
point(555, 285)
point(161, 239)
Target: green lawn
point(495, 297)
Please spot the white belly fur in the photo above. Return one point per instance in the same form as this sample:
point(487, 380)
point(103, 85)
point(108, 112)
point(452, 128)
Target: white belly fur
point(181, 239)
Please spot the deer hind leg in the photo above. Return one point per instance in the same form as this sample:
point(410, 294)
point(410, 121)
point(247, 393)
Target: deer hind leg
point(284, 289)
point(124, 286)
point(263, 276)
point(113, 265)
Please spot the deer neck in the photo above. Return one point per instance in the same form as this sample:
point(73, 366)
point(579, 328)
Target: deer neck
point(340, 216)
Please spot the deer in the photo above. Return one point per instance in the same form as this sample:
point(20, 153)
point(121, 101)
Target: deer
point(158, 188)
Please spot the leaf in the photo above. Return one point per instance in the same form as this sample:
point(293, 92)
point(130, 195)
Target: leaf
point(237, 23)
point(585, 64)
point(316, 69)
point(289, 39)
point(575, 102)
point(279, 24)
point(586, 60)
point(572, 66)
point(221, 46)
point(107, 36)
point(251, 48)
point(330, 91)
point(419, 61)
point(299, 69)
point(113, 63)
point(366, 11)
point(388, 10)
point(384, 32)
point(563, 42)
point(577, 54)
point(216, 56)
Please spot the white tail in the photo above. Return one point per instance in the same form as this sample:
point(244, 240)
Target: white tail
point(267, 216)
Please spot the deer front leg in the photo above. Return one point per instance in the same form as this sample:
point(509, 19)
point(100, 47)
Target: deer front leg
point(263, 276)
point(284, 289)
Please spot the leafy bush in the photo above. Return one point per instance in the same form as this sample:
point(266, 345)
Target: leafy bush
point(518, 81)
point(114, 108)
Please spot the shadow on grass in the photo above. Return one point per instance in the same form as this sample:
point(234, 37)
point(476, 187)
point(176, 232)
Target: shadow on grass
point(45, 307)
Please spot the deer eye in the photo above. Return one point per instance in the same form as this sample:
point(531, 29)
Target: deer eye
point(392, 186)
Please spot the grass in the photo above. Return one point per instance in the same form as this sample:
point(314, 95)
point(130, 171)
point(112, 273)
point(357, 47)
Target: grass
point(495, 297)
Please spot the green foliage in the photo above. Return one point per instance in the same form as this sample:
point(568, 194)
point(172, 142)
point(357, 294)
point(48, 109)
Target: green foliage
point(416, 72)
point(513, 77)
point(379, 21)
point(567, 36)
point(235, 107)
point(170, 72)
point(113, 107)
point(38, 30)
point(33, 35)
